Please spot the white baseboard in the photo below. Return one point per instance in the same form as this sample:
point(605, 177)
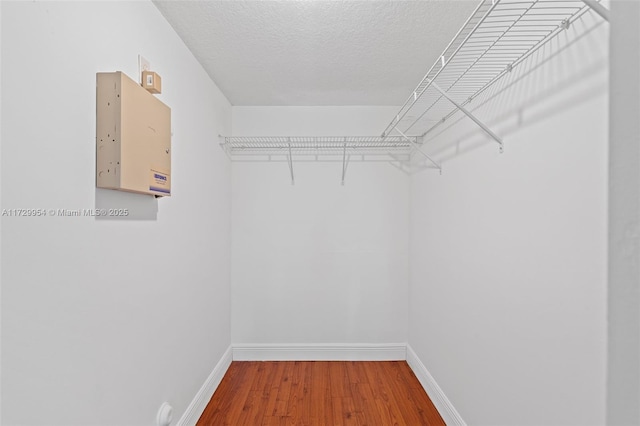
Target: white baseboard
point(445, 408)
point(202, 398)
point(320, 352)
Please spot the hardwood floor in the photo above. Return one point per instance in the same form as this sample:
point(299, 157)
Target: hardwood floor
point(327, 393)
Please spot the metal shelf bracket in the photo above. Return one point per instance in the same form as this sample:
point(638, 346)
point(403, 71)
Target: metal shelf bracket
point(499, 36)
point(417, 148)
point(468, 114)
point(305, 149)
point(345, 162)
point(223, 145)
point(290, 158)
point(598, 8)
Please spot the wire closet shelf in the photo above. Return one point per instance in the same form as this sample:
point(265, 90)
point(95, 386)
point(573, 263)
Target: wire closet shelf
point(322, 148)
point(498, 36)
point(327, 146)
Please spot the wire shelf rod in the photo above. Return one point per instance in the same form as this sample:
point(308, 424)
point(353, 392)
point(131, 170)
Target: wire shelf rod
point(420, 89)
point(530, 52)
point(510, 32)
point(317, 146)
point(417, 148)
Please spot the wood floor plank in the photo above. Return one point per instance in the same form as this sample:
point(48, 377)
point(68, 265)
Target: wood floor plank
point(372, 372)
point(349, 412)
point(421, 401)
point(339, 380)
point(355, 372)
point(327, 393)
point(274, 388)
point(284, 388)
point(326, 400)
point(336, 411)
point(263, 389)
point(261, 376)
point(384, 395)
point(294, 408)
point(320, 392)
point(299, 407)
point(241, 394)
point(384, 413)
point(231, 381)
point(366, 409)
point(305, 404)
point(274, 421)
point(401, 395)
point(255, 403)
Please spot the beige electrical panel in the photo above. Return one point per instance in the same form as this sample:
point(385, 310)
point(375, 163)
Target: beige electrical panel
point(133, 137)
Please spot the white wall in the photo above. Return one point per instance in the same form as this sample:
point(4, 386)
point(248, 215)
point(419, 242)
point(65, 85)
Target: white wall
point(508, 251)
point(103, 320)
point(318, 262)
point(623, 373)
point(0, 219)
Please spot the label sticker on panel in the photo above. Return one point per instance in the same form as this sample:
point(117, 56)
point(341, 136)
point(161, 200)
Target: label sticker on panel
point(160, 181)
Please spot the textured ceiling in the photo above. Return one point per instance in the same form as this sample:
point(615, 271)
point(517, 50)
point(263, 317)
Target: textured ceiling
point(316, 52)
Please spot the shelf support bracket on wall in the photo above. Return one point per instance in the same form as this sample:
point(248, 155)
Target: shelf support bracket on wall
point(468, 114)
point(345, 162)
point(223, 144)
point(598, 8)
point(293, 181)
point(417, 148)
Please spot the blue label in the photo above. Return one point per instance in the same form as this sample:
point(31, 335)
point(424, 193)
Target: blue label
point(155, 188)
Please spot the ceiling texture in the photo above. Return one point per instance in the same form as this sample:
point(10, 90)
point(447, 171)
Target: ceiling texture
point(317, 52)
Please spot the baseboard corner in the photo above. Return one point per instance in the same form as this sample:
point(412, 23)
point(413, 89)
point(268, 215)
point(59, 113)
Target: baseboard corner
point(202, 398)
point(446, 409)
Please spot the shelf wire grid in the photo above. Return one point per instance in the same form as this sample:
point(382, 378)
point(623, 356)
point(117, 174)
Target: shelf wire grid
point(326, 146)
point(498, 36)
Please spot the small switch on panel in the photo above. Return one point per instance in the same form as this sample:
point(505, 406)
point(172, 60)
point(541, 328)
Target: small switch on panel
point(152, 82)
